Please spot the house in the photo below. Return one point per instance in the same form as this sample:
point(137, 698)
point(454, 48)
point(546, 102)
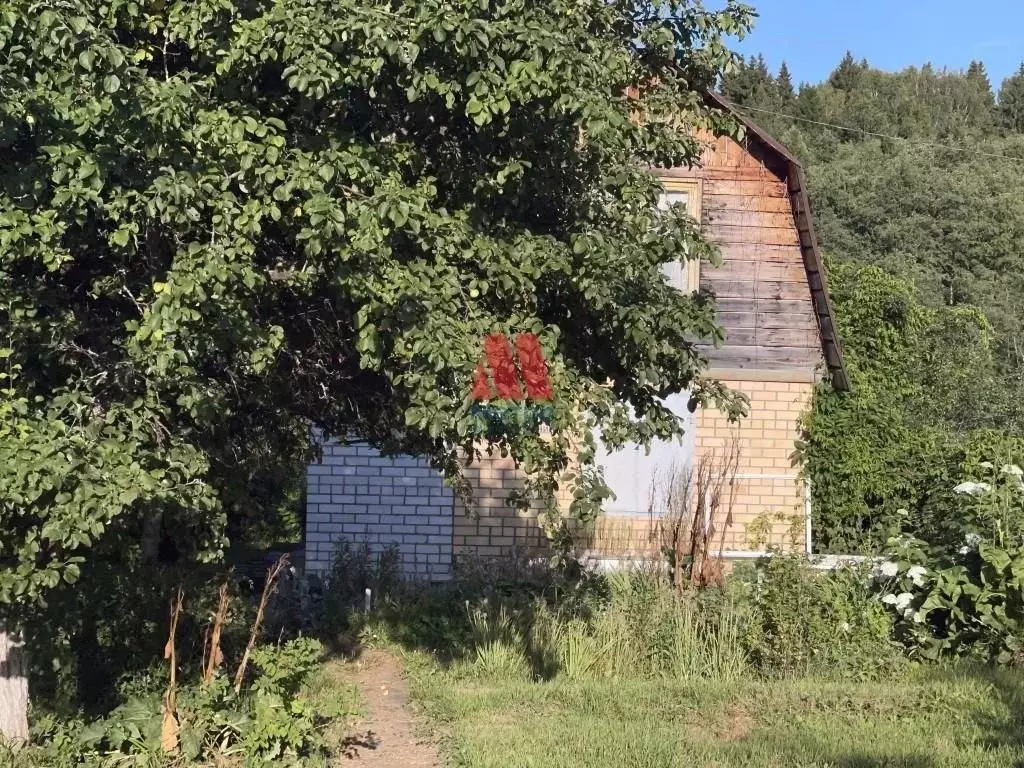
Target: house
point(751, 198)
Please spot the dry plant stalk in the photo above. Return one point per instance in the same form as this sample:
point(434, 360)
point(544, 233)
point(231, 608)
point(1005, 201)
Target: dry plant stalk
point(206, 644)
point(273, 574)
point(169, 727)
point(214, 657)
point(689, 508)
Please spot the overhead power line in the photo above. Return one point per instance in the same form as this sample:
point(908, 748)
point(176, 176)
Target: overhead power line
point(861, 131)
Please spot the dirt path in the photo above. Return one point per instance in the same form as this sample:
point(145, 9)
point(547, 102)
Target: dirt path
point(386, 738)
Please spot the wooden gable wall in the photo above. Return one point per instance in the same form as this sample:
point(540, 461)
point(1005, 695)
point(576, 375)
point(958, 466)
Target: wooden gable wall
point(764, 299)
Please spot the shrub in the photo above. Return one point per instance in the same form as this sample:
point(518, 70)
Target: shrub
point(438, 617)
point(94, 647)
point(519, 580)
point(500, 651)
point(970, 603)
point(290, 610)
point(690, 511)
point(926, 400)
point(271, 720)
point(803, 622)
point(279, 728)
point(270, 723)
point(786, 631)
point(515, 618)
point(864, 646)
point(284, 668)
point(645, 629)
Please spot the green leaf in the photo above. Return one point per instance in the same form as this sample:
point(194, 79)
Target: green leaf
point(71, 573)
point(191, 742)
point(93, 734)
point(181, 341)
point(999, 558)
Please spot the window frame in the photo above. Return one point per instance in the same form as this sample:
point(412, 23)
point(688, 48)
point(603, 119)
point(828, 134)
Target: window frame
point(694, 189)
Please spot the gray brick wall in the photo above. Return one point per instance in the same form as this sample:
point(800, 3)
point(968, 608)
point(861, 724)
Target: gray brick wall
point(356, 494)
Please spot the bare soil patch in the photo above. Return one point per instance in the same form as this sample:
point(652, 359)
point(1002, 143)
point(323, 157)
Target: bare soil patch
point(387, 736)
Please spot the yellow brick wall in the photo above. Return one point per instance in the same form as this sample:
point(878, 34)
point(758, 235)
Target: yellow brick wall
point(767, 481)
point(490, 526)
point(766, 488)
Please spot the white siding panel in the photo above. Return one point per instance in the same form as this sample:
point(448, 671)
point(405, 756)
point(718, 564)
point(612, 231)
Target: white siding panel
point(633, 473)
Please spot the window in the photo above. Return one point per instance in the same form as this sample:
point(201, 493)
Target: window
point(640, 479)
point(684, 274)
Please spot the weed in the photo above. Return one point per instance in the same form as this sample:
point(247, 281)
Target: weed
point(690, 511)
point(500, 653)
point(355, 569)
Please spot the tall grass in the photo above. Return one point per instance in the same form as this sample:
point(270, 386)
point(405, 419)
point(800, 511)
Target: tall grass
point(500, 651)
point(645, 629)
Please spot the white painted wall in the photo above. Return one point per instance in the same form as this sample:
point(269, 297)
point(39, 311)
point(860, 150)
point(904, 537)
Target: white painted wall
point(358, 495)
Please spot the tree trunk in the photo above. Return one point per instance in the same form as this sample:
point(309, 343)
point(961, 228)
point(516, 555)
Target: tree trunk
point(13, 687)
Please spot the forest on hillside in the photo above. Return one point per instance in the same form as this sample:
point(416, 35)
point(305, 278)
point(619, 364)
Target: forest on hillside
point(918, 194)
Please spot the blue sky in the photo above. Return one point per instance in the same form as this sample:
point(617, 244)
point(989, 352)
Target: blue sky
point(812, 35)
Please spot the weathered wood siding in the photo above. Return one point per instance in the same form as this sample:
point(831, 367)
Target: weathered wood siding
point(763, 297)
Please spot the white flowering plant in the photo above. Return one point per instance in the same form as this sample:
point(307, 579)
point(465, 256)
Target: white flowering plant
point(967, 599)
point(903, 579)
point(993, 503)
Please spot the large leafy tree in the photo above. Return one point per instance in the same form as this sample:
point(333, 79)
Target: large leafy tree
point(224, 221)
point(952, 221)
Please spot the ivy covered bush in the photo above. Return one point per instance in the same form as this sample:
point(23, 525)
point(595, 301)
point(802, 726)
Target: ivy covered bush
point(923, 411)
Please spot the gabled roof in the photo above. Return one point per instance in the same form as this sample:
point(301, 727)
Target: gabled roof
point(831, 347)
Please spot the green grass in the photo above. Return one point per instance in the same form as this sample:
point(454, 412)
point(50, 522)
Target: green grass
point(926, 719)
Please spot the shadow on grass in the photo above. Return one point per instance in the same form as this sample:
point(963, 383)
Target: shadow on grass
point(805, 750)
point(1002, 724)
point(439, 619)
point(862, 761)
